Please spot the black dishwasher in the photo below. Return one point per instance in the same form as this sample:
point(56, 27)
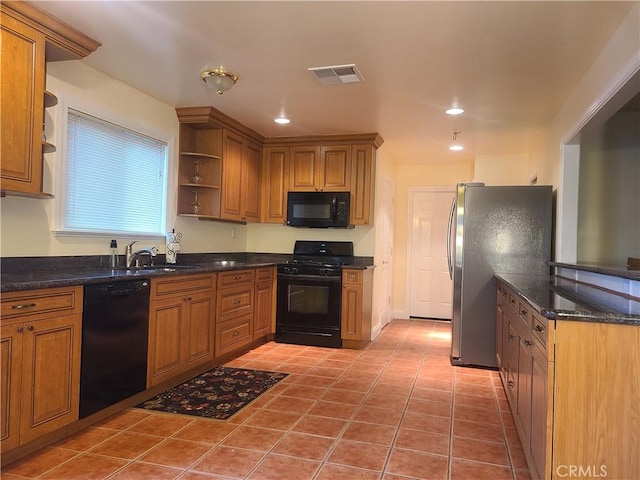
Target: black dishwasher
point(115, 327)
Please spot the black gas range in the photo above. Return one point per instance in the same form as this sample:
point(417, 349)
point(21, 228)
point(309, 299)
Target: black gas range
point(309, 298)
point(318, 258)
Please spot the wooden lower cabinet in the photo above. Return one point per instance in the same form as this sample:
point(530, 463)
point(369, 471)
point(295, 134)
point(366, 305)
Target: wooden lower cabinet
point(355, 328)
point(40, 355)
point(181, 325)
point(574, 391)
point(265, 302)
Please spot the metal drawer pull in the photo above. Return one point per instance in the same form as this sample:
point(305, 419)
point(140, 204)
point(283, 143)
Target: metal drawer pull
point(30, 328)
point(239, 277)
point(20, 329)
point(187, 299)
point(511, 383)
point(523, 312)
point(511, 337)
point(24, 305)
point(538, 329)
point(235, 333)
point(528, 343)
point(236, 301)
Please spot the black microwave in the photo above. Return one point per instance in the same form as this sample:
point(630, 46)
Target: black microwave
point(318, 209)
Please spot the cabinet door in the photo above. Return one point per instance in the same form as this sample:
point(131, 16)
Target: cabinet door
point(165, 339)
point(525, 371)
point(231, 208)
point(335, 169)
point(511, 361)
point(351, 328)
point(304, 169)
point(499, 325)
point(275, 184)
point(198, 345)
point(264, 305)
point(539, 404)
point(362, 188)
point(22, 109)
point(51, 375)
point(251, 165)
point(10, 383)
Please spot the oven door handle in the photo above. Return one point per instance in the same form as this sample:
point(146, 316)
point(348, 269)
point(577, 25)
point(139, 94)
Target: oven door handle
point(313, 278)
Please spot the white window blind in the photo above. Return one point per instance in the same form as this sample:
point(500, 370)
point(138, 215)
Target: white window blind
point(115, 178)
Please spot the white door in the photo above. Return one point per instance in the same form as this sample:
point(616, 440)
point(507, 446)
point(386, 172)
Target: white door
point(428, 284)
point(388, 192)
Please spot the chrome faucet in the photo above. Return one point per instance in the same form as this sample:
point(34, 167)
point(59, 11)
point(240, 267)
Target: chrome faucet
point(132, 258)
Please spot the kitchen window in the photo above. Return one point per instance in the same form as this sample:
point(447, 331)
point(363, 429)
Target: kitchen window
point(114, 180)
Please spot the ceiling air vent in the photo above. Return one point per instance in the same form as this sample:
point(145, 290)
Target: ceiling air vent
point(337, 74)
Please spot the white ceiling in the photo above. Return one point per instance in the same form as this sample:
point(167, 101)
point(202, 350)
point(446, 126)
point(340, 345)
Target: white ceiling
point(510, 65)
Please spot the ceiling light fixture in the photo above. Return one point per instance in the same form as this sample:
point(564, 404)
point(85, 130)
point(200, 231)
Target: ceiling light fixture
point(219, 79)
point(454, 111)
point(456, 147)
point(282, 120)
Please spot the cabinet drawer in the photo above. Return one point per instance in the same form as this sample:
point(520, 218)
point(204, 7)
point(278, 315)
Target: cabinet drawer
point(235, 277)
point(67, 300)
point(233, 302)
point(512, 300)
point(352, 276)
point(264, 274)
point(167, 286)
point(524, 312)
point(233, 334)
point(540, 329)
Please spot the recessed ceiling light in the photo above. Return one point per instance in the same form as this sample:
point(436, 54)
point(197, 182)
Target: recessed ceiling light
point(282, 120)
point(454, 111)
point(456, 148)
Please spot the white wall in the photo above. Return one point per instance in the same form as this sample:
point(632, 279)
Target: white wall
point(616, 62)
point(26, 223)
point(503, 169)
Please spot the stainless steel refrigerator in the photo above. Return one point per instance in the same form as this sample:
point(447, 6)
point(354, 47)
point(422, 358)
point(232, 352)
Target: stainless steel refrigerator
point(492, 230)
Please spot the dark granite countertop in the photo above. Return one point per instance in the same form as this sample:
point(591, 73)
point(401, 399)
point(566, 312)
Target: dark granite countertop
point(614, 270)
point(30, 273)
point(559, 298)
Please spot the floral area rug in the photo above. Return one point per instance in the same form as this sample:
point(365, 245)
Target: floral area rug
point(219, 393)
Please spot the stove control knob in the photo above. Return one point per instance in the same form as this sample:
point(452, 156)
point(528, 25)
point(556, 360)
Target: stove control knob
point(286, 269)
point(294, 270)
point(326, 271)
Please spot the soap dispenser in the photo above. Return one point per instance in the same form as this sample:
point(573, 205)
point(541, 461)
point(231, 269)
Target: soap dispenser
point(113, 254)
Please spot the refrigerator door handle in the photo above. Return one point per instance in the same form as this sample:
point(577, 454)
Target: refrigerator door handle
point(449, 260)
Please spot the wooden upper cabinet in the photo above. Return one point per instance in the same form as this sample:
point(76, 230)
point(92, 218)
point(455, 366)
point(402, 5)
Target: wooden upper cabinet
point(240, 179)
point(335, 168)
point(252, 165)
point(22, 112)
point(362, 187)
point(304, 168)
point(232, 177)
point(274, 182)
point(29, 38)
point(325, 168)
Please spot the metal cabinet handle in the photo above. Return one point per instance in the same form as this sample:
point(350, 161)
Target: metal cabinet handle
point(528, 343)
point(20, 329)
point(23, 305)
point(511, 383)
point(538, 329)
point(30, 328)
point(523, 312)
point(511, 337)
point(187, 299)
point(236, 301)
point(235, 333)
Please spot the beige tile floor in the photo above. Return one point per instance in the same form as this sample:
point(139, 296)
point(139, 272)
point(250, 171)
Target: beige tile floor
point(394, 410)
